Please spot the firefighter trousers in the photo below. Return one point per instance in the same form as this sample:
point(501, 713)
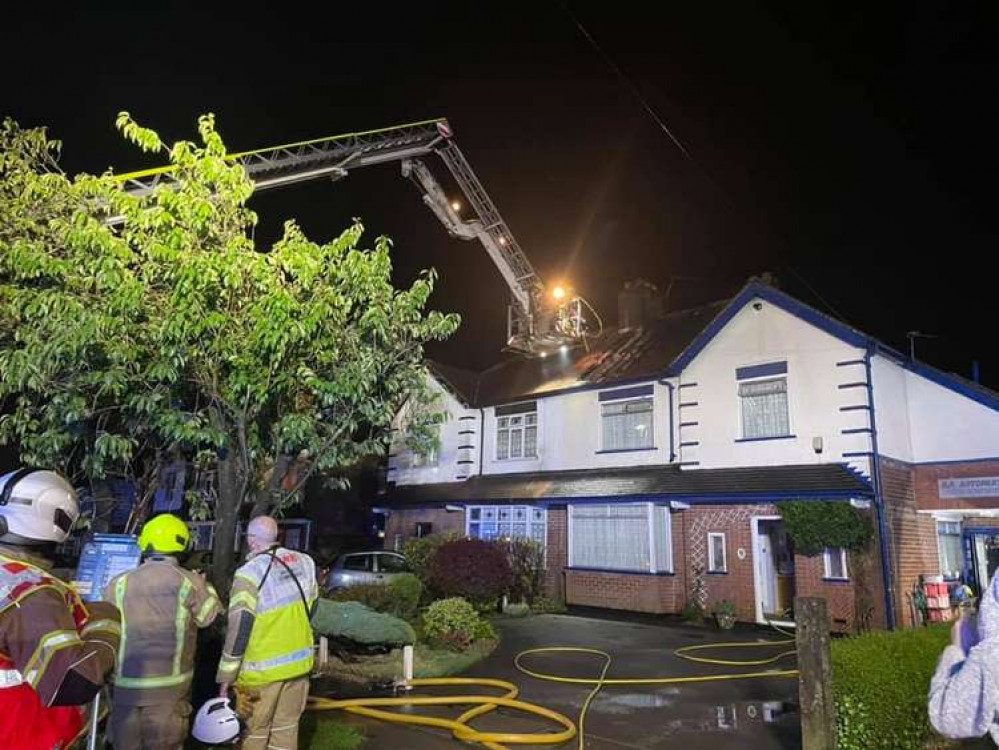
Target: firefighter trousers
point(161, 726)
point(272, 713)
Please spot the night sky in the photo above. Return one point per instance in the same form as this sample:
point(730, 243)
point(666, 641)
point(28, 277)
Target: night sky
point(850, 151)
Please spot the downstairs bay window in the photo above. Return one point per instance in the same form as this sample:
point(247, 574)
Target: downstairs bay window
point(635, 537)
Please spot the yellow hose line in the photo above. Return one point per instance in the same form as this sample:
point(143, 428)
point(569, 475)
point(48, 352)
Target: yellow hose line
point(482, 704)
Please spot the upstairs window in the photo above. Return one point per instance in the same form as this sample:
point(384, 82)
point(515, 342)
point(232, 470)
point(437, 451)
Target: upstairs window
point(517, 431)
point(627, 425)
point(763, 404)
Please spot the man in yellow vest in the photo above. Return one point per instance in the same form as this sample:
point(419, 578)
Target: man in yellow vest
point(268, 647)
point(162, 606)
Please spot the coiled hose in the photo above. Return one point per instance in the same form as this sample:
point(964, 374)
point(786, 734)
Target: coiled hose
point(461, 728)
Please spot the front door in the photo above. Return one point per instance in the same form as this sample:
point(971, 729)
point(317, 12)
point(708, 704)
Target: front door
point(774, 571)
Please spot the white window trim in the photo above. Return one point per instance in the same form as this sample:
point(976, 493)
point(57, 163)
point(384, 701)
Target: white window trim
point(650, 519)
point(523, 429)
point(940, 561)
point(600, 423)
point(790, 412)
point(827, 564)
point(724, 548)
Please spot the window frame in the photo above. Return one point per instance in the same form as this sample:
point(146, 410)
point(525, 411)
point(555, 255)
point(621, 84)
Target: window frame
point(523, 412)
point(827, 564)
point(712, 568)
point(656, 566)
point(784, 376)
point(948, 574)
point(529, 521)
point(624, 399)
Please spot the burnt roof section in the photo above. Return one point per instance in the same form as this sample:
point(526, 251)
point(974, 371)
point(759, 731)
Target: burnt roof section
point(460, 382)
point(765, 483)
point(611, 357)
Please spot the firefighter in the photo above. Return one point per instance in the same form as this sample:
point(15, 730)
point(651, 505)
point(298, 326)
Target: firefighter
point(55, 650)
point(268, 646)
point(162, 607)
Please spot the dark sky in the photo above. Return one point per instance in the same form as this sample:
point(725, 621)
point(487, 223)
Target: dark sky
point(850, 151)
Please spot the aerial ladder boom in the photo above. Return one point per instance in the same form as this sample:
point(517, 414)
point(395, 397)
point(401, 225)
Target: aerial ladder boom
point(536, 322)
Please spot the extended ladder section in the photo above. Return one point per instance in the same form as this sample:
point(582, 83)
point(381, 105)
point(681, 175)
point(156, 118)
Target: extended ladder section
point(536, 324)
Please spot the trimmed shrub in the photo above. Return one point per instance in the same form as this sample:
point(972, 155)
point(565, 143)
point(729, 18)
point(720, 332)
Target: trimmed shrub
point(527, 560)
point(453, 624)
point(545, 605)
point(474, 569)
point(517, 610)
point(420, 551)
point(399, 598)
point(350, 621)
point(881, 682)
point(406, 591)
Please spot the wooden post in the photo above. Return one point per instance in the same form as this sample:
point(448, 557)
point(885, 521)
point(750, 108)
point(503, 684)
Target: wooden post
point(818, 712)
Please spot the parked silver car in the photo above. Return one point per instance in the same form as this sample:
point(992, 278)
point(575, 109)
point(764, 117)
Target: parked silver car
point(364, 567)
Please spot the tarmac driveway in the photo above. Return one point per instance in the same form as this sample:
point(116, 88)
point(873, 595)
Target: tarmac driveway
point(756, 714)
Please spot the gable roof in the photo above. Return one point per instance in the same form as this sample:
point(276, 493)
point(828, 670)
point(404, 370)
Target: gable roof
point(663, 349)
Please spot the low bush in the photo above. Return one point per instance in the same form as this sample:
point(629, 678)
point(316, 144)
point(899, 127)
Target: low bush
point(527, 565)
point(474, 569)
point(454, 624)
point(517, 610)
point(399, 598)
point(420, 552)
point(545, 605)
point(881, 683)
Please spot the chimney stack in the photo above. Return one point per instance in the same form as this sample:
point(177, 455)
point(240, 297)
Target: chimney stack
point(638, 304)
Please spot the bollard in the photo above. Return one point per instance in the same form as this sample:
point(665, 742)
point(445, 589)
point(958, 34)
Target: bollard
point(818, 712)
point(407, 665)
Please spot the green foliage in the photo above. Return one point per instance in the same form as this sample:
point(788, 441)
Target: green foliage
point(544, 605)
point(692, 613)
point(399, 598)
point(454, 624)
point(816, 525)
point(880, 682)
point(724, 607)
point(172, 330)
point(321, 731)
point(420, 552)
point(520, 609)
point(527, 561)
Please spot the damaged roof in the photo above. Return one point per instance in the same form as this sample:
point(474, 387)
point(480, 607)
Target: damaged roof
point(613, 356)
point(764, 483)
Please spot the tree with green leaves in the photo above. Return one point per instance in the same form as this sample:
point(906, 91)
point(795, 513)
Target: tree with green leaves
point(134, 327)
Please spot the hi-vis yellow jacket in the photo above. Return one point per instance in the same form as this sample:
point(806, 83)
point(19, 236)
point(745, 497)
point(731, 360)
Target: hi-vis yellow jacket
point(270, 638)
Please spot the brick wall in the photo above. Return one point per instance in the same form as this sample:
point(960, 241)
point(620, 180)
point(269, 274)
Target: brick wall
point(912, 536)
point(735, 521)
point(809, 580)
point(401, 524)
point(556, 555)
point(634, 592)
point(927, 487)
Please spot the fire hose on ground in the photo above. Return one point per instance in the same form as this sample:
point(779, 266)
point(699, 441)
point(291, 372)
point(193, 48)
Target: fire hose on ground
point(461, 729)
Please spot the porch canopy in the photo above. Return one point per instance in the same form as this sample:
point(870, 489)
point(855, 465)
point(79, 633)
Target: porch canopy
point(669, 482)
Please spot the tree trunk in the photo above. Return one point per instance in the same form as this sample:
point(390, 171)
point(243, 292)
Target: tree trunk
point(226, 516)
point(265, 497)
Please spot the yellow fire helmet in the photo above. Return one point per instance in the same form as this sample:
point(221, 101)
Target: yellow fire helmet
point(164, 533)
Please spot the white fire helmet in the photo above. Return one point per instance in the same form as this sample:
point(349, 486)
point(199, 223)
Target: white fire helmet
point(36, 506)
point(216, 723)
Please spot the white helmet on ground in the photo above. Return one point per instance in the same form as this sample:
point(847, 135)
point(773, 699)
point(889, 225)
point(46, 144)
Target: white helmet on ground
point(36, 506)
point(216, 723)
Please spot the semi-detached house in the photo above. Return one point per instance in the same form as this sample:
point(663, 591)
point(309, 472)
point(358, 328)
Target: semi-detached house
point(650, 462)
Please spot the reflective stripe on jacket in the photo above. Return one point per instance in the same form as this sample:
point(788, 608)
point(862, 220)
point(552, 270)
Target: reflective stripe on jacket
point(280, 641)
point(162, 606)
